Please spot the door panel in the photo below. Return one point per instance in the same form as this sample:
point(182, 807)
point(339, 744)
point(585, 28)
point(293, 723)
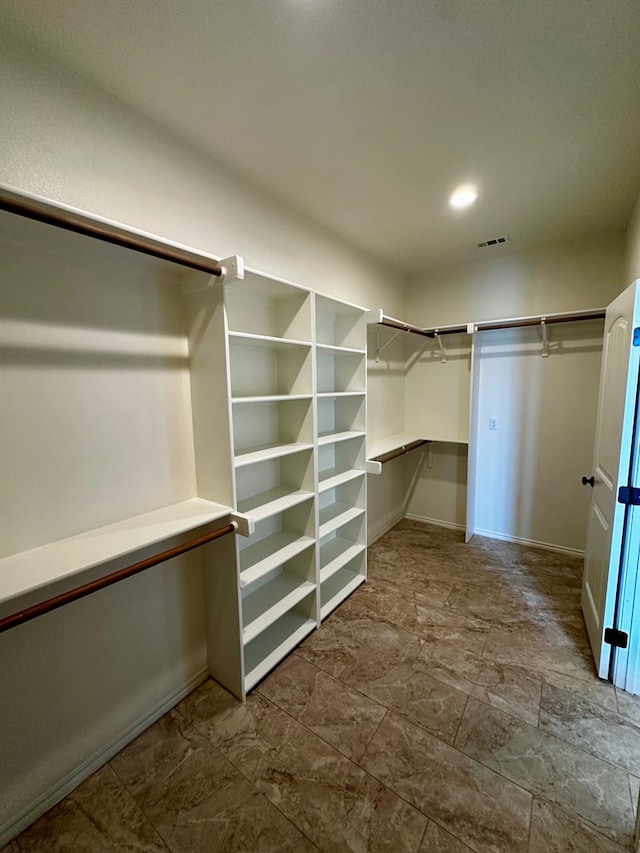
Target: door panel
point(618, 383)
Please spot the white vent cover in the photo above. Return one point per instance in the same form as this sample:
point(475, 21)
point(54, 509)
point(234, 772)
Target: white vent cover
point(494, 241)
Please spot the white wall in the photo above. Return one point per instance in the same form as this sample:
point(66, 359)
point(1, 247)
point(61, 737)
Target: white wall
point(585, 273)
point(78, 682)
point(633, 245)
point(581, 274)
point(529, 468)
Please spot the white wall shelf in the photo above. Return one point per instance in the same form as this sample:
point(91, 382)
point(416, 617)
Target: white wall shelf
point(336, 515)
point(269, 503)
point(262, 557)
point(335, 554)
point(329, 348)
point(327, 395)
point(29, 577)
point(269, 451)
point(335, 437)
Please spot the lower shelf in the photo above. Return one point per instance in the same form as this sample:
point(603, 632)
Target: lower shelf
point(267, 650)
point(271, 601)
point(336, 554)
point(336, 588)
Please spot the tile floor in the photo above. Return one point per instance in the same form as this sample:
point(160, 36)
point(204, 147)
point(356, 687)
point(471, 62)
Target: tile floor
point(450, 705)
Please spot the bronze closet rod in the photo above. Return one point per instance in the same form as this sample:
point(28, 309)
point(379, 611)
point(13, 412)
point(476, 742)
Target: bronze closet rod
point(71, 219)
point(400, 451)
point(56, 601)
point(537, 321)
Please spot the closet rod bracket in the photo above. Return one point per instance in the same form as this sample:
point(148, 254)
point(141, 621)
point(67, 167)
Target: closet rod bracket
point(443, 352)
point(231, 269)
point(381, 349)
point(545, 337)
point(245, 524)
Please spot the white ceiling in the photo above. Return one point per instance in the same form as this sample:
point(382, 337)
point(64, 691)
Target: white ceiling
point(365, 115)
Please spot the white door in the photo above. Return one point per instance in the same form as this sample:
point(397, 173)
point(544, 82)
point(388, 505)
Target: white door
point(611, 463)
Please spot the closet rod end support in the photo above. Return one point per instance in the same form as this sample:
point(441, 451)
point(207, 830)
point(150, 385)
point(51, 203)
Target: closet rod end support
point(232, 269)
point(245, 524)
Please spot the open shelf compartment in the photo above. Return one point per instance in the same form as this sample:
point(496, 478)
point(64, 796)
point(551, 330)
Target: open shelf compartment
point(276, 593)
point(340, 462)
point(340, 371)
point(339, 324)
point(337, 415)
point(260, 369)
point(264, 306)
point(263, 430)
point(341, 584)
point(272, 645)
point(273, 485)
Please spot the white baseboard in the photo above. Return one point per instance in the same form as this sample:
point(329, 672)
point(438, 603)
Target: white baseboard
point(534, 543)
point(451, 525)
point(60, 790)
point(373, 537)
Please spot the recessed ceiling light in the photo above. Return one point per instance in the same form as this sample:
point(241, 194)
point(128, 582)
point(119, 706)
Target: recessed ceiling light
point(463, 197)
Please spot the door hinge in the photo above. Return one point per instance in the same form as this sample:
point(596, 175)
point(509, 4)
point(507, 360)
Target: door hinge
point(614, 637)
point(629, 495)
point(636, 337)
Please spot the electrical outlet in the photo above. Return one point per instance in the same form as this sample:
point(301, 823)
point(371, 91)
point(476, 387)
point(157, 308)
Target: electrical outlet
point(493, 423)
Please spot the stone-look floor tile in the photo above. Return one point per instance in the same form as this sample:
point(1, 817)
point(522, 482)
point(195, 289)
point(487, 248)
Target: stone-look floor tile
point(343, 717)
point(403, 574)
point(438, 840)
point(369, 601)
point(587, 787)
point(341, 645)
point(418, 617)
point(540, 652)
point(197, 800)
point(509, 688)
point(100, 816)
point(249, 734)
point(603, 733)
point(628, 705)
point(593, 689)
point(11, 847)
point(335, 803)
point(476, 805)
point(555, 831)
point(408, 689)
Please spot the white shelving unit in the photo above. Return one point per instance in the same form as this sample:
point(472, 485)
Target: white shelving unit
point(341, 334)
point(295, 372)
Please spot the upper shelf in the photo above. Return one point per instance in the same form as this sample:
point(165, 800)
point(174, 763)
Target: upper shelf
point(25, 573)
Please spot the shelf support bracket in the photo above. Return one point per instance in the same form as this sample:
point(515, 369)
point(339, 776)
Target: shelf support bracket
point(443, 352)
point(545, 338)
point(381, 349)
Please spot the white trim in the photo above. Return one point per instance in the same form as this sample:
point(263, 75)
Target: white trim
point(67, 784)
point(379, 533)
point(534, 543)
point(438, 522)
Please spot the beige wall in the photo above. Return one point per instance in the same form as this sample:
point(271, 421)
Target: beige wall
point(633, 245)
point(545, 407)
point(586, 273)
point(79, 683)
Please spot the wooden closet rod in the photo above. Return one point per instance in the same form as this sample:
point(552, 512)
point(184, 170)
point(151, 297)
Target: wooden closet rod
point(56, 601)
point(403, 327)
point(537, 321)
point(72, 219)
point(400, 451)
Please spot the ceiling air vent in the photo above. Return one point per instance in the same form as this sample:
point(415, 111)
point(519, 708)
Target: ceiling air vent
point(494, 241)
